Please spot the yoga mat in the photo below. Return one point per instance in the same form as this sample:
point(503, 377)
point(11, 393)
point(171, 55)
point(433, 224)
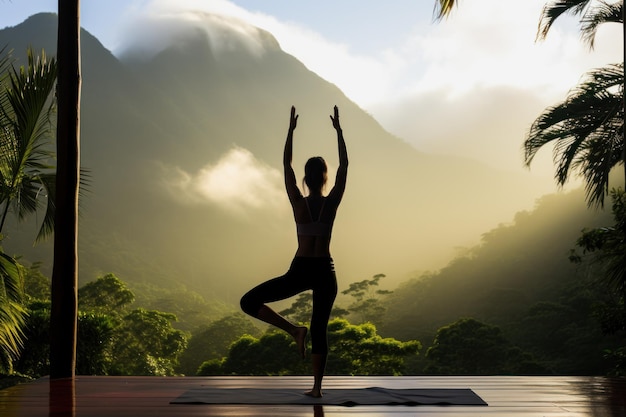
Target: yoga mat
point(345, 397)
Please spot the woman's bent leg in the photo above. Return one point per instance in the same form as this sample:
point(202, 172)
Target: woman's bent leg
point(253, 303)
point(297, 332)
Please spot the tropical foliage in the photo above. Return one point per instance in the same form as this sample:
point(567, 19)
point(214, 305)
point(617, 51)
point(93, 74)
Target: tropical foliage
point(105, 294)
point(368, 303)
point(26, 177)
point(360, 350)
point(607, 245)
point(12, 312)
point(113, 340)
point(587, 130)
point(95, 334)
point(26, 139)
point(354, 350)
point(469, 347)
point(146, 344)
point(605, 249)
point(214, 340)
point(593, 13)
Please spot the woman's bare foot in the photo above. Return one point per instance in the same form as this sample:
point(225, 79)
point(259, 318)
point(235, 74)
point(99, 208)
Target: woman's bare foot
point(316, 393)
point(300, 336)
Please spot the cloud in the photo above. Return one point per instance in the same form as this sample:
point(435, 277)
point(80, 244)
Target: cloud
point(157, 24)
point(485, 43)
point(492, 43)
point(489, 125)
point(237, 182)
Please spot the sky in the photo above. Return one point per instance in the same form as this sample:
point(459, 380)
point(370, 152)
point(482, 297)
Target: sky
point(468, 86)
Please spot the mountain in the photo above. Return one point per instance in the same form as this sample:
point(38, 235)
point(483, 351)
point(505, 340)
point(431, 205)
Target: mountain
point(184, 148)
point(519, 278)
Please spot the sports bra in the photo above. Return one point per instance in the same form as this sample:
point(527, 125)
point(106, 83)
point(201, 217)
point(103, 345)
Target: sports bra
point(315, 227)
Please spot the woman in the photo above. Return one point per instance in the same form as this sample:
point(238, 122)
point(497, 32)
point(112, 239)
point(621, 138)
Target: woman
point(312, 267)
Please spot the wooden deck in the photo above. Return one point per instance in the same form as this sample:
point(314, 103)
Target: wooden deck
point(89, 396)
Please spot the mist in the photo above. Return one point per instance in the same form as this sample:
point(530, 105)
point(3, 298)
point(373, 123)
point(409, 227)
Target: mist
point(488, 124)
point(237, 182)
point(150, 33)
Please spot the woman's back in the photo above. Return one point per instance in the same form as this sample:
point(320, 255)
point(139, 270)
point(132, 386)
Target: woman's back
point(314, 216)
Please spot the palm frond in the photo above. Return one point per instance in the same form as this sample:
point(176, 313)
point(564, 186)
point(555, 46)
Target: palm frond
point(12, 318)
point(12, 312)
point(47, 225)
point(29, 94)
point(48, 181)
point(603, 13)
point(598, 157)
point(554, 9)
point(587, 130)
point(26, 200)
point(26, 145)
point(5, 61)
point(11, 282)
point(443, 8)
point(5, 64)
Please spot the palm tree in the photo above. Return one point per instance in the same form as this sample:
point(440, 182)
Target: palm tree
point(25, 176)
point(587, 128)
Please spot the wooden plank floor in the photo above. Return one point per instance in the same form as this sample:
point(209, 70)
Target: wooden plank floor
point(90, 396)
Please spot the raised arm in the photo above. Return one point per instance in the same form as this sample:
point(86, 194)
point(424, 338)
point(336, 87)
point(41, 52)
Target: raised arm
point(342, 170)
point(293, 192)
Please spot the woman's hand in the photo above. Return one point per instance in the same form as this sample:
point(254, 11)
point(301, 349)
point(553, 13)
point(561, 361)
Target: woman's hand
point(335, 120)
point(293, 120)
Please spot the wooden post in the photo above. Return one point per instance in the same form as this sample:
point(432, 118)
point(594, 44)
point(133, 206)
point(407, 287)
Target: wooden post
point(64, 310)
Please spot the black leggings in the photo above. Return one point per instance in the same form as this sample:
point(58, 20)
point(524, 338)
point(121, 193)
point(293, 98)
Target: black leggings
point(317, 274)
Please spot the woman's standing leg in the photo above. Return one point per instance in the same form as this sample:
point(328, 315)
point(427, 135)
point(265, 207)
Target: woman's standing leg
point(323, 298)
point(319, 366)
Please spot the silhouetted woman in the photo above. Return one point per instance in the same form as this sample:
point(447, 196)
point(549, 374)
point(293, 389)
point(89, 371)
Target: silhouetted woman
point(312, 267)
